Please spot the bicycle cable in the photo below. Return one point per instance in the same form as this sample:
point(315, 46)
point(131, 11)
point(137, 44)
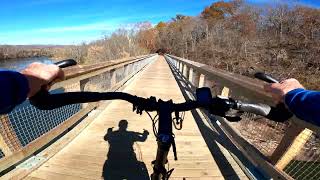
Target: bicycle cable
point(154, 121)
point(178, 120)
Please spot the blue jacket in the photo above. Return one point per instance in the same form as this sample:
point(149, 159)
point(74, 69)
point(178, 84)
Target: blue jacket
point(14, 90)
point(304, 104)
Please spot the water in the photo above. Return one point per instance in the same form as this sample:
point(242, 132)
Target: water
point(20, 64)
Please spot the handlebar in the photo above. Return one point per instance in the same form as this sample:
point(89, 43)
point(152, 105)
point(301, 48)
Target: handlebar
point(217, 105)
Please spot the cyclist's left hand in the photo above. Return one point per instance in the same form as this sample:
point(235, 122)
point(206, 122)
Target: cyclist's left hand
point(41, 75)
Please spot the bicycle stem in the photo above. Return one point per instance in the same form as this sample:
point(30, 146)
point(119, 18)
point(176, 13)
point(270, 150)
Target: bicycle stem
point(165, 139)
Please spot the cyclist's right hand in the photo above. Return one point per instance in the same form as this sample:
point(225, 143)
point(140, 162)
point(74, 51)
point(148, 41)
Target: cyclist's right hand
point(279, 90)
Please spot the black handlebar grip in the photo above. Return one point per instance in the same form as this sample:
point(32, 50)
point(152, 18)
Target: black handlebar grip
point(258, 109)
point(66, 63)
point(265, 77)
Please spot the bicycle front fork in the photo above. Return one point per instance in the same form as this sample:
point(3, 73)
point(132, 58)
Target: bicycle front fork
point(159, 170)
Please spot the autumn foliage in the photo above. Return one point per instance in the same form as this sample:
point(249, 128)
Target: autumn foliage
point(282, 39)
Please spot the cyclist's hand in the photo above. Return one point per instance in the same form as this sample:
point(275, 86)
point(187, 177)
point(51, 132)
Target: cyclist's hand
point(146, 132)
point(279, 90)
point(110, 129)
point(41, 75)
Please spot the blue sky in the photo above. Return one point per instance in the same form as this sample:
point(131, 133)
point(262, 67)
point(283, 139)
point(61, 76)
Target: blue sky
point(75, 21)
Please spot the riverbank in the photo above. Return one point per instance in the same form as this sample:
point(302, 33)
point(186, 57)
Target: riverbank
point(26, 51)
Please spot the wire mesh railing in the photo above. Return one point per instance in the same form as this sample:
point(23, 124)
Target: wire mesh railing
point(260, 132)
point(306, 163)
point(26, 123)
point(263, 134)
point(29, 123)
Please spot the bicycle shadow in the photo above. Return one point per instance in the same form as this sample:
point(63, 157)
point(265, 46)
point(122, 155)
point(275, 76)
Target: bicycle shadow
point(122, 162)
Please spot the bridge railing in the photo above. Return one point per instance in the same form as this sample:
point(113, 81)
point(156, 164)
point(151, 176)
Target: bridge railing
point(26, 130)
point(282, 150)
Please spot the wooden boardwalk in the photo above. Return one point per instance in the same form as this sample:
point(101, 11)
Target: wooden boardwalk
point(99, 151)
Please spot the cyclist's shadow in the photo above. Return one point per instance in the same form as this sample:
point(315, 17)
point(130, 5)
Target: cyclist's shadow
point(122, 162)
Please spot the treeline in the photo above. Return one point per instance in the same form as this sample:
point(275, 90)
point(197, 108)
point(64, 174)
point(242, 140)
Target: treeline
point(14, 52)
point(282, 39)
point(120, 44)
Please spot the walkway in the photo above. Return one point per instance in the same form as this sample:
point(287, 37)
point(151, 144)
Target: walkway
point(127, 153)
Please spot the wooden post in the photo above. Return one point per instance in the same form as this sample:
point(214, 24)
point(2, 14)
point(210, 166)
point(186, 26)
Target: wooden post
point(201, 80)
point(195, 78)
point(83, 84)
point(126, 70)
point(9, 137)
point(181, 67)
point(4, 147)
point(206, 82)
point(186, 71)
point(190, 75)
point(290, 146)
point(225, 92)
point(113, 75)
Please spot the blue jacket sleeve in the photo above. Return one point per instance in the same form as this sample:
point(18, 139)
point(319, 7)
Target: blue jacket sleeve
point(14, 90)
point(304, 104)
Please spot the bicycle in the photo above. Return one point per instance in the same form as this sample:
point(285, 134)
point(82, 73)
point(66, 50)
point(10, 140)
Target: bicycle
point(165, 138)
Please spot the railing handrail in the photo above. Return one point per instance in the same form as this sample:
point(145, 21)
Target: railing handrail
point(252, 86)
point(79, 70)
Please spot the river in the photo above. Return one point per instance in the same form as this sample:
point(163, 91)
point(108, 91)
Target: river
point(19, 64)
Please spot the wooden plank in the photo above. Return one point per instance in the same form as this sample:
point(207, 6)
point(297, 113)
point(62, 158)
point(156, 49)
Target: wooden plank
point(295, 148)
point(290, 135)
point(54, 176)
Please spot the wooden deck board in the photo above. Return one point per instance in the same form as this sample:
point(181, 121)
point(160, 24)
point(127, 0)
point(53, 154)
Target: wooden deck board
point(86, 157)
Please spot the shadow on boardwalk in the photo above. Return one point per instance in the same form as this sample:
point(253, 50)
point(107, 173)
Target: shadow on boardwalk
point(122, 162)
